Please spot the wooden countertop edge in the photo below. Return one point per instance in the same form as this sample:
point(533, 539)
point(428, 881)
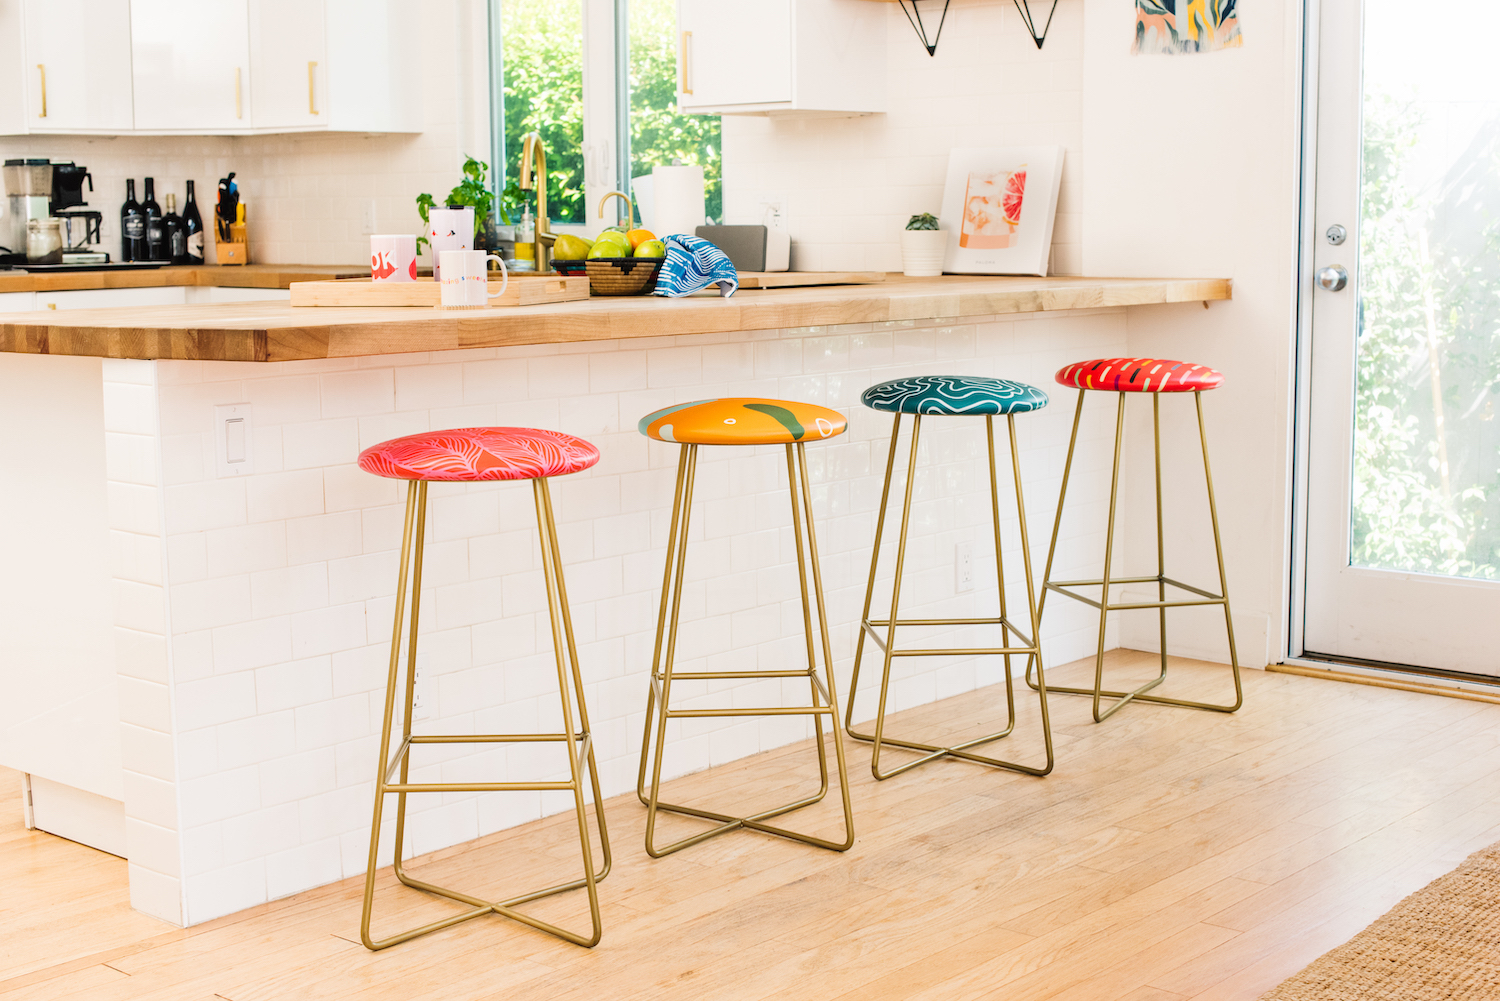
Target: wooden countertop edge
point(204, 275)
point(392, 331)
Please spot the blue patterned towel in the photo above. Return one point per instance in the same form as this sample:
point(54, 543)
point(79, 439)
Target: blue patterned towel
point(692, 264)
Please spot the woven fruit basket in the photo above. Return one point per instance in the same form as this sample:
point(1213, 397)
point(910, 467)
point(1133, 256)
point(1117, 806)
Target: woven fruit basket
point(623, 275)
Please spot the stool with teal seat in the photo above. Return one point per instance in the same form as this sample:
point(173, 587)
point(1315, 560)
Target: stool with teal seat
point(950, 396)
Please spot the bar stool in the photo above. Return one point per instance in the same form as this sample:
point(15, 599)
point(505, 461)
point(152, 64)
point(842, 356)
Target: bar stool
point(1155, 376)
point(469, 455)
point(950, 396)
point(740, 422)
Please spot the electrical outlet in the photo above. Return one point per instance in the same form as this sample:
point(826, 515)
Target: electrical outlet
point(963, 566)
point(367, 218)
point(421, 702)
point(772, 212)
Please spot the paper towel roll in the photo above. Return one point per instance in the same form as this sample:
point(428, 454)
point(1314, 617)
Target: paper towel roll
point(677, 203)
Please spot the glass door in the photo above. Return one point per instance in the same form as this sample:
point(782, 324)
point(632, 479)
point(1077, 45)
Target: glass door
point(1403, 481)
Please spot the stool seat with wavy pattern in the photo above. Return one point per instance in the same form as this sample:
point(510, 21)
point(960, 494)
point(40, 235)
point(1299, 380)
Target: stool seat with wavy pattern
point(479, 454)
point(953, 395)
point(742, 421)
point(1140, 375)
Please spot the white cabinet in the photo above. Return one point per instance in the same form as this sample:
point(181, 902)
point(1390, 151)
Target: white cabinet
point(289, 64)
point(17, 302)
point(191, 65)
point(798, 57)
point(110, 298)
point(65, 67)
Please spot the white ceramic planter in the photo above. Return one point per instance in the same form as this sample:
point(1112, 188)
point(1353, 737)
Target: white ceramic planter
point(922, 252)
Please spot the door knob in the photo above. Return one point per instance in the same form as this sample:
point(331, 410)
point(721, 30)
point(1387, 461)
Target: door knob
point(1333, 278)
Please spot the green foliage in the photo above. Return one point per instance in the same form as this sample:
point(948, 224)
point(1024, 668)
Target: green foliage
point(1426, 490)
point(542, 42)
point(923, 220)
point(659, 134)
point(468, 191)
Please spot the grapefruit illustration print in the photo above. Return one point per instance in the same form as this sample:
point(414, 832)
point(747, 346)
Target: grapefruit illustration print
point(992, 209)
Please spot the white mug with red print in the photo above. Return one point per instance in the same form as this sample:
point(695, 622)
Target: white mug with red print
point(449, 229)
point(465, 281)
point(393, 258)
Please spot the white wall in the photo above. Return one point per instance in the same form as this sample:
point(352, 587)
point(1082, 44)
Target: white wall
point(1192, 170)
point(850, 184)
point(306, 193)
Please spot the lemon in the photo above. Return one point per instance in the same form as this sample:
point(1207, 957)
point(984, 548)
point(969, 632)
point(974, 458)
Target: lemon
point(571, 248)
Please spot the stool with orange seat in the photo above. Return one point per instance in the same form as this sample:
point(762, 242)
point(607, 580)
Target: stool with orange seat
point(1155, 377)
point(742, 422)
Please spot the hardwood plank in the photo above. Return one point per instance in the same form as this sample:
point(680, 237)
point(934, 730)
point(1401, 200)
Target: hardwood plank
point(275, 331)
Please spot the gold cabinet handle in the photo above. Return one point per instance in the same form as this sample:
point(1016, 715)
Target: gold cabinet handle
point(687, 62)
point(312, 89)
point(239, 110)
point(43, 71)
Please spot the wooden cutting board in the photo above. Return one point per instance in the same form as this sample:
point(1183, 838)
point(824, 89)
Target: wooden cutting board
point(528, 291)
point(793, 279)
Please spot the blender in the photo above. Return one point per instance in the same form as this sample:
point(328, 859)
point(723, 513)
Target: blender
point(28, 195)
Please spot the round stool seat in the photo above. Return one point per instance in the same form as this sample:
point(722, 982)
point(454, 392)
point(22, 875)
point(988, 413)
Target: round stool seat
point(1140, 375)
point(953, 395)
point(742, 421)
point(479, 454)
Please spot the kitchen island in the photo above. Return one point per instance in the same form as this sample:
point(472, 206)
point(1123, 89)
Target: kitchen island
point(232, 596)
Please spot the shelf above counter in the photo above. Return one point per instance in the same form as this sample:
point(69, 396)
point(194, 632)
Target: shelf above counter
point(273, 331)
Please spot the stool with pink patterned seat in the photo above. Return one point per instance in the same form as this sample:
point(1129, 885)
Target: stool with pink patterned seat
point(1156, 377)
point(470, 455)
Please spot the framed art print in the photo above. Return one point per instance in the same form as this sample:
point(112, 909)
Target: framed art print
point(999, 206)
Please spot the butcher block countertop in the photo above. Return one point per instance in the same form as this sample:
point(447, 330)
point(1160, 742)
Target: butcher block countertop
point(239, 276)
point(275, 331)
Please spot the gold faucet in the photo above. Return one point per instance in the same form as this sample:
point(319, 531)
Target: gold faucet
point(533, 174)
point(629, 208)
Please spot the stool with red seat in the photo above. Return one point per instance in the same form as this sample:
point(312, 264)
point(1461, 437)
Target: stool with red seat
point(469, 455)
point(1155, 377)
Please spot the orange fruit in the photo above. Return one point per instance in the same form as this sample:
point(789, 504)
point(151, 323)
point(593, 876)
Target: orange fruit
point(639, 236)
point(1010, 201)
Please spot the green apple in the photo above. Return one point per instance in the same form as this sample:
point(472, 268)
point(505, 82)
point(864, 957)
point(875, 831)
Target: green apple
point(651, 248)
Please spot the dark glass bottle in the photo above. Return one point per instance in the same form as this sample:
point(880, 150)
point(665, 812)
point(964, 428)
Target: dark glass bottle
point(192, 228)
point(132, 226)
point(156, 234)
point(176, 237)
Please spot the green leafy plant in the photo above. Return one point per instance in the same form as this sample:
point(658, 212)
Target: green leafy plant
point(924, 220)
point(470, 191)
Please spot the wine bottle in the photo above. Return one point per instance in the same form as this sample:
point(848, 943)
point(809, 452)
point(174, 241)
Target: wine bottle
point(192, 228)
point(156, 235)
point(132, 226)
point(176, 237)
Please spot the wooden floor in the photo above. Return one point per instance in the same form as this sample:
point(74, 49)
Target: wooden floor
point(1173, 854)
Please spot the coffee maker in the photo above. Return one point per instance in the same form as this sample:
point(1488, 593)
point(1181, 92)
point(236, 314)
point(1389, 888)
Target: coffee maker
point(80, 224)
point(28, 195)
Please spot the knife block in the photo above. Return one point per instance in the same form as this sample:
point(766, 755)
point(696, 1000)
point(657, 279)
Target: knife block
point(234, 253)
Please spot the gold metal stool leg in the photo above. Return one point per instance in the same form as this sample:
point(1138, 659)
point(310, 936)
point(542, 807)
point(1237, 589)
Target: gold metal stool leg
point(887, 646)
point(578, 743)
point(1162, 581)
point(824, 692)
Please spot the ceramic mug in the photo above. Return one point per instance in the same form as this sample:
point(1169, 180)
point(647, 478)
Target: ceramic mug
point(393, 258)
point(465, 282)
point(449, 229)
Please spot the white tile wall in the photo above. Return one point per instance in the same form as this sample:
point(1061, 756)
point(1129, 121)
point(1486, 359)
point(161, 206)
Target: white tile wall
point(282, 583)
point(850, 184)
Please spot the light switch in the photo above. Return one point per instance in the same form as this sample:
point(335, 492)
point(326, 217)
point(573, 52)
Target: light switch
point(233, 442)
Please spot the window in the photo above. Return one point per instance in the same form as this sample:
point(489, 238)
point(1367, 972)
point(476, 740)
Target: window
point(557, 72)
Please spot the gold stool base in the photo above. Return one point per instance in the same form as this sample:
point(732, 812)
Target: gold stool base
point(887, 644)
point(824, 696)
point(1122, 698)
point(578, 744)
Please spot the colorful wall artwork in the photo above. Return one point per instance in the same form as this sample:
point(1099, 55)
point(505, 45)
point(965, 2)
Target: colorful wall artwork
point(999, 206)
point(1167, 27)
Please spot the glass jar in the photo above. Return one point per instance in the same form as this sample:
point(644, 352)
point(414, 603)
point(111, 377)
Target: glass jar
point(44, 241)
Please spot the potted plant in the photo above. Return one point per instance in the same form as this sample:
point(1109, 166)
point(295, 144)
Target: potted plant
point(470, 190)
point(922, 247)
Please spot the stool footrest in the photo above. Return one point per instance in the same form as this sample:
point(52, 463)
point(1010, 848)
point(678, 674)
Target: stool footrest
point(869, 626)
point(1061, 587)
point(481, 907)
point(766, 711)
point(753, 822)
point(959, 750)
point(585, 744)
point(656, 688)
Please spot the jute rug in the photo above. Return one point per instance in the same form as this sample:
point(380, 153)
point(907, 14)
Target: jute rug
point(1441, 943)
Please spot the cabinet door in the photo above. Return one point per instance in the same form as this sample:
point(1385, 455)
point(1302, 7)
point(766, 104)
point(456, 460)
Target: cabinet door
point(288, 63)
point(77, 68)
point(731, 52)
point(191, 63)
